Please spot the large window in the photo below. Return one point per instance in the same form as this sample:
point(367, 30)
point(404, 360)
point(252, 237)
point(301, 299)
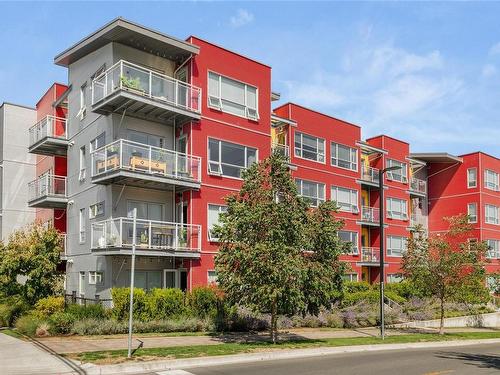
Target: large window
point(396, 246)
point(493, 249)
point(491, 214)
point(491, 180)
point(471, 178)
point(400, 174)
point(346, 199)
point(472, 212)
point(81, 225)
point(397, 209)
point(146, 210)
point(229, 159)
point(352, 237)
point(344, 156)
point(214, 211)
point(309, 147)
point(314, 192)
point(229, 95)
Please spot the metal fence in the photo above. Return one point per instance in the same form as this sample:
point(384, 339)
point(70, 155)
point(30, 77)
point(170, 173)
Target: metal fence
point(75, 299)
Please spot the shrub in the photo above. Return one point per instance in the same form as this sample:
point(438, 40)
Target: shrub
point(61, 322)
point(334, 319)
point(371, 296)
point(121, 303)
point(356, 286)
point(11, 308)
point(202, 301)
point(80, 312)
point(164, 303)
point(242, 319)
point(27, 324)
point(48, 306)
point(42, 330)
point(405, 289)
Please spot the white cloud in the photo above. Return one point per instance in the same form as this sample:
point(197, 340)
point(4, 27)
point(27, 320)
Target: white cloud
point(488, 70)
point(494, 49)
point(241, 18)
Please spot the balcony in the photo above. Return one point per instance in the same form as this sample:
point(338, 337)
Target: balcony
point(64, 242)
point(153, 238)
point(418, 187)
point(48, 191)
point(137, 164)
point(49, 137)
point(418, 219)
point(369, 176)
point(370, 255)
point(143, 93)
point(281, 149)
point(370, 216)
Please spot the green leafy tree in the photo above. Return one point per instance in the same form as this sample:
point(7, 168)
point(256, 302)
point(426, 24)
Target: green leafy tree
point(268, 258)
point(447, 266)
point(28, 263)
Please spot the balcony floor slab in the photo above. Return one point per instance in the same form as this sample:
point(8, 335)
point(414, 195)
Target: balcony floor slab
point(140, 251)
point(49, 201)
point(50, 146)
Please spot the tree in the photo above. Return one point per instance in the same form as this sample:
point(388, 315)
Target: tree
point(447, 266)
point(32, 254)
point(268, 258)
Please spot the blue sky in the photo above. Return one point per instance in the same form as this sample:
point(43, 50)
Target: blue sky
point(426, 73)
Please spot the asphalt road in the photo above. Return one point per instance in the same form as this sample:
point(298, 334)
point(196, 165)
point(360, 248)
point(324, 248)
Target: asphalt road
point(463, 360)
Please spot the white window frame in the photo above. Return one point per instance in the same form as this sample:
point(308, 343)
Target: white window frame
point(353, 199)
point(394, 278)
point(83, 163)
point(394, 175)
point(471, 178)
point(334, 157)
point(472, 216)
point(212, 279)
point(314, 201)
point(95, 277)
point(394, 251)
point(97, 142)
point(221, 209)
point(217, 101)
point(491, 180)
point(351, 276)
point(493, 249)
point(82, 227)
point(488, 209)
point(299, 151)
point(82, 112)
point(354, 239)
point(393, 214)
point(218, 170)
point(96, 209)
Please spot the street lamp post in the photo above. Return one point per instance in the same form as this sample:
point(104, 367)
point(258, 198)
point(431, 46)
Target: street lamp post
point(382, 251)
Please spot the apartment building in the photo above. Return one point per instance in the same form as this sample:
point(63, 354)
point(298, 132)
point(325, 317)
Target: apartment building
point(17, 168)
point(164, 127)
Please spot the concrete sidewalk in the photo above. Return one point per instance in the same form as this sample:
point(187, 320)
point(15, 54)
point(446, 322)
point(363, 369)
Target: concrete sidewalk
point(25, 358)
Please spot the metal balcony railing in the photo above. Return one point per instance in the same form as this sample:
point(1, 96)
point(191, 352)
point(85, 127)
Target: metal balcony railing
point(370, 174)
point(48, 127)
point(281, 149)
point(370, 215)
point(417, 185)
point(137, 157)
point(150, 235)
point(47, 186)
point(145, 82)
point(370, 254)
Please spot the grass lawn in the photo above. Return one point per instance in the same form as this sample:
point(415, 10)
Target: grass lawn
point(12, 333)
point(117, 356)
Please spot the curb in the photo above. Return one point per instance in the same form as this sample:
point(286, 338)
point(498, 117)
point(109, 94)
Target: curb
point(176, 364)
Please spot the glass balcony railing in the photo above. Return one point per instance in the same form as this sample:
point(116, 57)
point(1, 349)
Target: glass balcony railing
point(370, 174)
point(370, 215)
point(48, 127)
point(150, 235)
point(47, 186)
point(281, 149)
point(125, 76)
point(418, 186)
point(370, 254)
point(146, 160)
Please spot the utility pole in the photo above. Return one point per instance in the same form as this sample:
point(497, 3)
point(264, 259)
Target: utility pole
point(132, 273)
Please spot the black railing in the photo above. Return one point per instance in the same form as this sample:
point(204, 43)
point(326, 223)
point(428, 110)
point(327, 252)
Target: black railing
point(73, 298)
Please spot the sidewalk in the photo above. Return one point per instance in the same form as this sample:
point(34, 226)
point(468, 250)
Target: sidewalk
point(25, 358)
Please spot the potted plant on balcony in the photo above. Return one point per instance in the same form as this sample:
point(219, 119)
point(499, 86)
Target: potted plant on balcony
point(144, 239)
point(182, 240)
point(112, 240)
point(133, 84)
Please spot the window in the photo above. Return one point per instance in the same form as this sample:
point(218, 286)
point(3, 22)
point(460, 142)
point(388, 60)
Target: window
point(313, 192)
point(400, 174)
point(229, 159)
point(82, 112)
point(350, 277)
point(472, 212)
point(97, 142)
point(229, 95)
point(212, 277)
point(83, 162)
point(493, 249)
point(344, 156)
point(396, 209)
point(346, 199)
point(96, 210)
point(309, 147)
point(95, 277)
point(81, 225)
point(146, 139)
point(146, 210)
point(396, 246)
point(214, 210)
point(352, 237)
point(491, 180)
point(491, 214)
point(394, 278)
point(471, 178)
